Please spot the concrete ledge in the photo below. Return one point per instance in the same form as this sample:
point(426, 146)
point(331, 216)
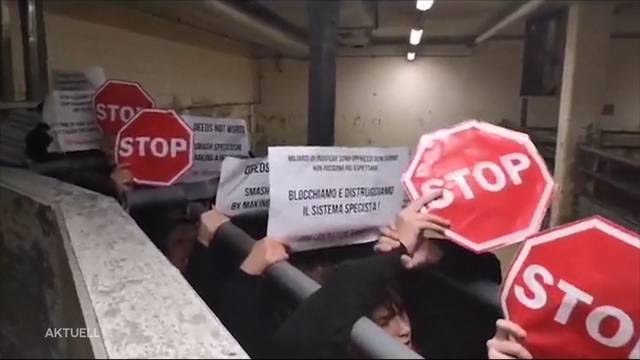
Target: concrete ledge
point(71, 258)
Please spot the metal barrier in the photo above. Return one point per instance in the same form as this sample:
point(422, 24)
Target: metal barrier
point(365, 335)
point(369, 338)
point(179, 194)
point(70, 163)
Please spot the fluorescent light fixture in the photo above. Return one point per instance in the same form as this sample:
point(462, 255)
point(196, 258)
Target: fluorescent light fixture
point(411, 56)
point(424, 5)
point(415, 36)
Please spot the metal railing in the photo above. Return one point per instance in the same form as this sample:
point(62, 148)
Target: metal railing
point(369, 338)
point(365, 335)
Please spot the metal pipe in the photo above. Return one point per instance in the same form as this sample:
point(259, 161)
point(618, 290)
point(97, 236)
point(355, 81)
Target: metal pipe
point(610, 156)
point(6, 61)
point(365, 335)
point(35, 49)
point(17, 105)
point(70, 164)
point(283, 40)
point(522, 11)
point(170, 195)
point(376, 344)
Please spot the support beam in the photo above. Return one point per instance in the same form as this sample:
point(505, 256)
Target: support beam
point(35, 49)
point(582, 96)
point(323, 17)
point(517, 14)
point(6, 63)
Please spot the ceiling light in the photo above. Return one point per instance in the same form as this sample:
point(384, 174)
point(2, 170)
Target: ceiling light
point(411, 56)
point(424, 5)
point(415, 36)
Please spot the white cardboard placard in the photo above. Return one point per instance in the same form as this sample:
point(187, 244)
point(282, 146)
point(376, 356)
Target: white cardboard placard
point(243, 187)
point(333, 196)
point(213, 140)
point(68, 110)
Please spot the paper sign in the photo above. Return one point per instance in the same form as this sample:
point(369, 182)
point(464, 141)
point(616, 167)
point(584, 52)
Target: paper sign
point(215, 139)
point(69, 113)
point(332, 196)
point(243, 187)
point(13, 130)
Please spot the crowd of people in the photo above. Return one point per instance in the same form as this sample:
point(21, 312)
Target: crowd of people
point(397, 282)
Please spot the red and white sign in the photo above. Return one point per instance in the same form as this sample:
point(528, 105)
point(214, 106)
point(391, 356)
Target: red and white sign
point(576, 291)
point(117, 102)
point(157, 146)
point(496, 186)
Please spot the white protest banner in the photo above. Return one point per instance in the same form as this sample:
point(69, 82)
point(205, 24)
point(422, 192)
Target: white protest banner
point(333, 196)
point(69, 113)
point(215, 139)
point(13, 131)
point(243, 187)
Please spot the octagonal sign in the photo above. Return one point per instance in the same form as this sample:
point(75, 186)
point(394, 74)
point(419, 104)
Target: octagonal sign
point(157, 146)
point(576, 291)
point(116, 102)
point(496, 186)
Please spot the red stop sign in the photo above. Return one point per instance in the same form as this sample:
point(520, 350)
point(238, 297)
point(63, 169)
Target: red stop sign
point(116, 102)
point(157, 146)
point(576, 291)
point(496, 187)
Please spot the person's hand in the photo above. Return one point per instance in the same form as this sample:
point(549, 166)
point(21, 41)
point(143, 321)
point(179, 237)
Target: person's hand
point(264, 253)
point(505, 344)
point(389, 238)
point(210, 221)
point(122, 178)
point(412, 221)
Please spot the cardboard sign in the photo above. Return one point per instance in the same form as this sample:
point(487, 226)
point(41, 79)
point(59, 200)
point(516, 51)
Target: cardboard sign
point(496, 186)
point(215, 139)
point(243, 187)
point(116, 103)
point(576, 291)
point(157, 146)
point(68, 110)
point(332, 196)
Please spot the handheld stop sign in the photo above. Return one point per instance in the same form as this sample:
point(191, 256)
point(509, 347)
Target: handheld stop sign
point(575, 289)
point(496, 187)
point(157, 146)
point(116, 102)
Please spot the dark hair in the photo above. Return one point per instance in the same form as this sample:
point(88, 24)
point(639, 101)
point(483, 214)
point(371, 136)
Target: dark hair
point(392, 300)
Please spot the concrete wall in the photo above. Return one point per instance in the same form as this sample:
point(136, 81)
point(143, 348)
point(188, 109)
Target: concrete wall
point(389, 101)
point(37, 284)
point(71, 258)
point(622, 90)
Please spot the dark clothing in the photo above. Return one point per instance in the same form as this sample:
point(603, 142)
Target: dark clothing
point(98, 181)
point(445, 324)
point(240, 310)
point(36, 143)
point(252, 308)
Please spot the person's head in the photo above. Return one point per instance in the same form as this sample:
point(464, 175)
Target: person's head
point(391, 316)
point(179, 244)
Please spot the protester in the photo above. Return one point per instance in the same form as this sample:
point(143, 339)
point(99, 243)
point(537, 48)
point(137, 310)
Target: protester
point(112, 181)
point(36, 143)
point(321, 326)
point(507, 342)
point(250, 307)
